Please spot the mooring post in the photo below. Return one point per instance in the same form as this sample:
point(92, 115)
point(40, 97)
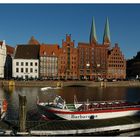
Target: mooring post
point(22, 113)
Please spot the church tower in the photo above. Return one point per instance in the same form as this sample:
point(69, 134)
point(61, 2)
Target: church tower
point(106, 37)
point(93, 37)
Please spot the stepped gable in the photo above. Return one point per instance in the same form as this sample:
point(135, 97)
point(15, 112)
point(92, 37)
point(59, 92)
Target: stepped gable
point(33, 41)
point(27, 52)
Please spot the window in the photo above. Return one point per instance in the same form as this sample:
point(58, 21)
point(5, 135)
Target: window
point(22, 63)
point(26, 70)
point(31, 69)
point(35, 70)
point(26, 63)
point(35, 63)
point(21, 69)
point(31, 63)
point(17, 63)
point(17, 70)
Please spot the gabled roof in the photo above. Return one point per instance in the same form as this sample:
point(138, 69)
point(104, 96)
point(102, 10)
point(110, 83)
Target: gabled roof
point(83, 44)
point(27, 52)
point(10, 50)
point(33, 41)
point(49, 49)
point(1, 42)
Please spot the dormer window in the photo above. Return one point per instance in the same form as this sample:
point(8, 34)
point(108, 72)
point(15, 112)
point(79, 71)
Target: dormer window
point(45, 53)
point(53, 53)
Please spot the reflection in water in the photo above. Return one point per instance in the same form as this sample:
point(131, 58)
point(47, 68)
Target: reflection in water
point(93, 94)
point(82, 93)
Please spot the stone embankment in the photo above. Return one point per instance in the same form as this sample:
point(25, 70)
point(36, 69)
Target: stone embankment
point(69, 83)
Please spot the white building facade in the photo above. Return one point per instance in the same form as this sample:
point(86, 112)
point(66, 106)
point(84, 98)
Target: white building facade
point(26, 62)
point(26, 68)
point(2, 58)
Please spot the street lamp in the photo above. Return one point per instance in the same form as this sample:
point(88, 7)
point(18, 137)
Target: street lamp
point(88, 66)
point(96, 70)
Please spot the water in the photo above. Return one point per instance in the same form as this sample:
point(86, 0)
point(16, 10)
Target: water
point(82, 93)
point(67, 93)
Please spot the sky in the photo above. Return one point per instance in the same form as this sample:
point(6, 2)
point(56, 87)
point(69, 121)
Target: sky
point(49, 23)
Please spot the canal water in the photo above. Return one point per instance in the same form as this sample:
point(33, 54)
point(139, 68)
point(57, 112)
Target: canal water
point(67, 93)
point(131, 94)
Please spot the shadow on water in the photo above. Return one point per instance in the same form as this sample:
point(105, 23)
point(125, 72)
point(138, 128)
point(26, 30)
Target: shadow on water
point(133, 94)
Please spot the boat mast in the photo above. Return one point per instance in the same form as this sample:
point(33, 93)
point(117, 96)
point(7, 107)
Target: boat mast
point(75, 99)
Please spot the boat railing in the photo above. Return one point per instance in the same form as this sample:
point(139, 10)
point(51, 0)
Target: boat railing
point(111, 108)
point(109, 101)
point(119, 107)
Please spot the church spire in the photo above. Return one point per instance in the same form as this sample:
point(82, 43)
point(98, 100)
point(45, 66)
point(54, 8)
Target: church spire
point(93, 37)
point(106, 37)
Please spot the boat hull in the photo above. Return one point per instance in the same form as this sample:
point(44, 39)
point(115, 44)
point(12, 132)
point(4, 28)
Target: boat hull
point(54, 113)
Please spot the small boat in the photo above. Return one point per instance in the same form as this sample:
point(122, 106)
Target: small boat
point(3, 108)
point(59, 109)
point(45, 88)
point(48, 88)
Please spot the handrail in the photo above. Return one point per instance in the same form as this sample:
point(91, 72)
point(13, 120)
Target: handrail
point(119, 107)
point(102, 101)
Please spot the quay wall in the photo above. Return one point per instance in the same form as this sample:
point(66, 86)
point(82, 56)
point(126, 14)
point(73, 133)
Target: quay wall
point(98, 130)
point(120, 128)
point(69, 83)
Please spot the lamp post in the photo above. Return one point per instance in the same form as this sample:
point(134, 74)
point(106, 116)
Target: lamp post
point(88, 67)
point(96, 71)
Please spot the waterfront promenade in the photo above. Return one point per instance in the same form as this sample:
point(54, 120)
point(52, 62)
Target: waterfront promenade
point(52, 83)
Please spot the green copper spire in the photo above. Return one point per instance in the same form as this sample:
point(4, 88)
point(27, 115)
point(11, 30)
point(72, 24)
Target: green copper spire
point(93, 37)
point(106, 38)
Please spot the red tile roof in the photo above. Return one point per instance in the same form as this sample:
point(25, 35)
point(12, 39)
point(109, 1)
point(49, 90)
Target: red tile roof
point(10, 50)
point(49, 50)
point(1, 42)
point(83, 44)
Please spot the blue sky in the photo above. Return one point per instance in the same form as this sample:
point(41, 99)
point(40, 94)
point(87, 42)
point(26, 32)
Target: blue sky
point(49, 23)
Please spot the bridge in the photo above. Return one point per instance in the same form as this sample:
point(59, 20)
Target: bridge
point(81, 84)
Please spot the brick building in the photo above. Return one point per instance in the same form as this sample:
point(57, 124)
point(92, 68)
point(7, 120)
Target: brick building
point(49, 61)
point(88, 61)
point(94, 59)
point(93, 56)
point(68, 60)
point(116, 64)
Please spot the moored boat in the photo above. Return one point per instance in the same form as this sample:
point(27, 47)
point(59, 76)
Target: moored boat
point(3, 108)
point(59, 109)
